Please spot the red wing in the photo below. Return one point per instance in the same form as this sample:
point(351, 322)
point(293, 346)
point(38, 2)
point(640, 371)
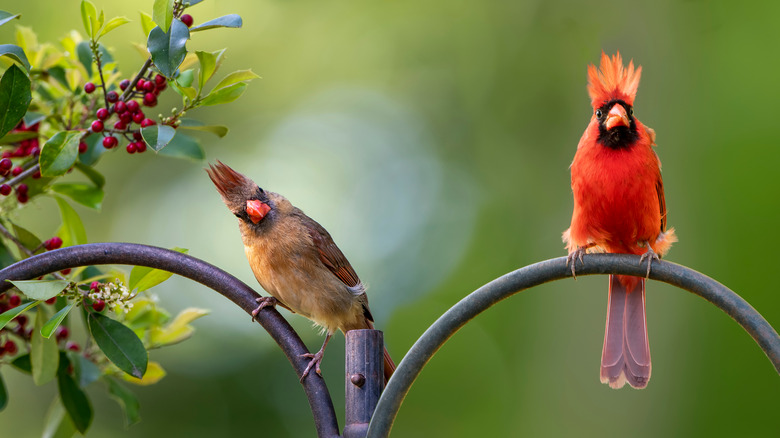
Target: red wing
point(330, 254)
point(659, 187)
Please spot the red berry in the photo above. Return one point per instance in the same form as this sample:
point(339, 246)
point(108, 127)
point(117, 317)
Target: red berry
point(160, 87)
point(62, 332)
point(99, 305)
point(131, 148)
point(139, 86)
point(5, 165)
point(10, 347)
point(126, 117)
point(65, 271)
point(149, 86)
point(14, 300)
point(112, 96)
point(16, 170)
point(22, 189)
point(5, 190)
point(82, 147)
point(109, 142)
point(120, 107)
point(53, 243)
point(132, 106)
point(140, 147)
point(21, 320)
point(22, 198)
point(150, 99)
point(159, 79)
point(97, 126)
point(95, 285)
point(89, 87)
point(138, 117)
point(102, 114)
point(147, 122)
point(124, 84)
point(120, 126)
point(37, 174)
point(72, 346)
point(187, 19)
point(51, 300)
point(137, 136)
point(34, 151)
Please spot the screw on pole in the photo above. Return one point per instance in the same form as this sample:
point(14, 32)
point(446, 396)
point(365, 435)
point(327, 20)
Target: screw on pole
point(364, 379)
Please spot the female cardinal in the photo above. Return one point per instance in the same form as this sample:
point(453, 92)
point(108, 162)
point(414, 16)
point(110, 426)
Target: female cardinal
point(295, 260)
point(619, 207)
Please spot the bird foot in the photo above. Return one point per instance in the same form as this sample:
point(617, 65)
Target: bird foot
point(650, 255)
point(263, 303)
point(577, 255)
point(316, 359)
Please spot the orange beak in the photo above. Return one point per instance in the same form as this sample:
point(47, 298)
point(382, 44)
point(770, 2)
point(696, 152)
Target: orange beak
point(256, 210)
point(617, 117)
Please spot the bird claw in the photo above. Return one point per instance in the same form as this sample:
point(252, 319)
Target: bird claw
point(650, 255)
point(263, 303)
point(574, 256)
point(316, 359)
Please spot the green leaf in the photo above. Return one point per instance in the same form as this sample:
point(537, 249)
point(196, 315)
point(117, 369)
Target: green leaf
point(75, 401)
point(59, 153)
point(158, 136)
point(162, 13)
point(22, 363)
point(188, 3)
point(15, 96)
point(57, 423)
point(96, 177)
point(195, 125)
point(3, 391)
point(147, 23)
point(86, 371)
point(6, 256)
point(236, 77)
point(224, 95)
point(187, 92)
point(16, 137)
point(5, 17)
point(40, 290)
point(27, 238)
point(168, 49)
point(16, 53)
point(145, 278)
point(126, 400)
point(94, 151)
point(185, 78)
point(84, 54)
point(32, 118)
point(44, 354)
point(120, 344)
point(48, 329)
point(178, 330)
point(209, 63)
point(113, 24)
point(88, 17)
point(10, 314)
point(231, 20)
point(72, 231)
point(85, 194)
point(184, 146)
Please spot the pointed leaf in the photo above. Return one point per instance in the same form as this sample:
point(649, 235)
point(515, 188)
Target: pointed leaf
point(113, 24)
point(10, 314)
point(187, 92)
point(3, 391)
point(75, 401)
point(40, 290)
point(15, 96)
point(5, 17)
point(168, 49)
point(94, 151)
point(88, 16)
point(218, 130)
point(236, 77)
point(48, 329)
point(86, 371)
point(178, 330)
point(59, 153)
point(32, 118)
point(224, 95)
point(158, 136)
point(184, 146)
point(16, 53)
point(57, 423)
point(185, 78)
point(96, 177)
point(209, 63)
point(147, 23)
point(22, 363)
point(231, 20)
point(85, 194)
point(126, 400)
point(145, 278)
point(154, 373)
point(119, 343)
point(162, 13)
point(16, 137)
point(27, 238)
point(44, 354)
point(72, 230)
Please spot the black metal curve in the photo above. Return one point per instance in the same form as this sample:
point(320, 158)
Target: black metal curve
point(195, 269)
point(555, 269)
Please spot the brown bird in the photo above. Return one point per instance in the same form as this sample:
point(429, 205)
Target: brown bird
point(296, 261)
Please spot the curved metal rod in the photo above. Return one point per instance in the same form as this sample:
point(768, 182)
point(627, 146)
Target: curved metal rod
point(195, 269)
point(555, 269)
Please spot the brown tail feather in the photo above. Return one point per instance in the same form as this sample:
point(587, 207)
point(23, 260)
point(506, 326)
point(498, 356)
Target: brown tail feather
point(625, 356)
point(389, 366)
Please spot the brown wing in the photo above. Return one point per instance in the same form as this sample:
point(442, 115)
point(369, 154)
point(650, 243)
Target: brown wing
point(330, 254)
point(659, 188)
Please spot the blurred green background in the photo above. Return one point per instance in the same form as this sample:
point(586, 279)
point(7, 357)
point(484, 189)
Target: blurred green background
point(432, 139)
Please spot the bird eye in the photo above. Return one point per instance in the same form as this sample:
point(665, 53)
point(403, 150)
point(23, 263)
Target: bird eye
point(631, 111)
point(598, 113)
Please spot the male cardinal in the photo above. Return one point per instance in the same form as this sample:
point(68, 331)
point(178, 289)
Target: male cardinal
point(619, 207)
point(296, 261)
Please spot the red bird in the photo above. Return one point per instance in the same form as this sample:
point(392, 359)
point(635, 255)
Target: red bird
point(619, 207)
point(296, 261)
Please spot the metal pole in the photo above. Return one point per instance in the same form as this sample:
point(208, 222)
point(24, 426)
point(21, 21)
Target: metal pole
point(364, 379)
